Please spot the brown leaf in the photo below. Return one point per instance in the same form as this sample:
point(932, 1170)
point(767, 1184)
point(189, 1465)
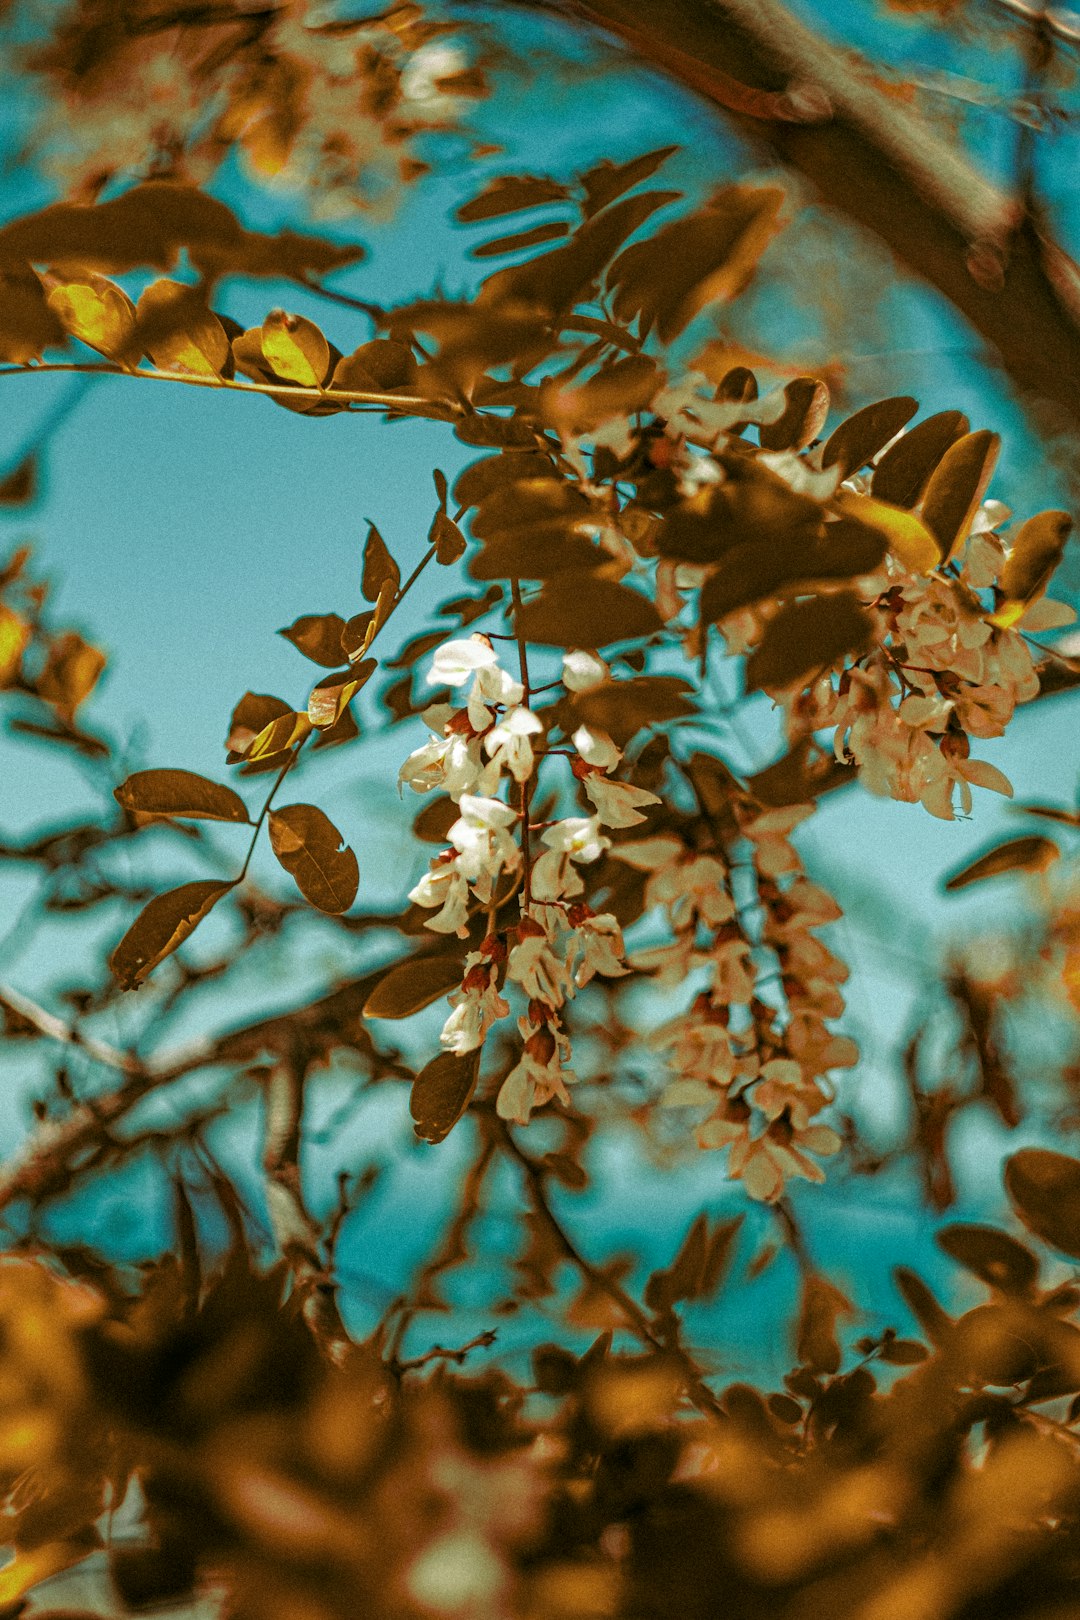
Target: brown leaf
point(995, 1257)
point(806, 406)
point(151, 223)
point(72, 670)
point(379, 566)
point(537, 553)
point(318, 637)
point(377, 367)
point(441, 1093)
point(448, 540)
point(1044, 1190)
point(179, 333)
point(1034, 554)
point(412, 985)
point(934, 1321)
point(903, 472)
point(1032, 853)
point(808, 635)
point(180, 793)
point(510, 194)
point(609, 180)
point(482, 478)
point(27, 324)
point(521, 239)
point(843, 550)
point(751, 505)
point(309, 847)
point(858, 440)
point(20, 486)
point(254, 712)
point(623, 708)
point(956, 488)
point(711, 255)
point(161, 927)
point(580, 610)
point(820, 1308)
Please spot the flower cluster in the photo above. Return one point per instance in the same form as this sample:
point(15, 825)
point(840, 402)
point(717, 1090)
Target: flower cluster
point(940, 672)
point(760, 1076)
point(560, 943)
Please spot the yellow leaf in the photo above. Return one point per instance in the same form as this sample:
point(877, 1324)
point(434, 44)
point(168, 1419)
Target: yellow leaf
point(295, 349)
point(14, 637)
point(178, 332)
point(94, 310)
point(906, 535)
point(284, 732)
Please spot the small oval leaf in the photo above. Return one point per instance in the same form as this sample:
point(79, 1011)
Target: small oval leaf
point(956, 489)
point(161, 927)
point(318, 637)
point(413, 985)
point(808, 635)
point(1044, 1190)
point(309, 847)
point(180, 793)
point(858, 440)
point(579, 610)
point(441, 1094)
point(993, 1256)
point(904, 470)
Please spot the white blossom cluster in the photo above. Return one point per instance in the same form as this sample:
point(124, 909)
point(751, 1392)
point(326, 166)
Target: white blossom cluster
point(560, 943)
point(763, 1084)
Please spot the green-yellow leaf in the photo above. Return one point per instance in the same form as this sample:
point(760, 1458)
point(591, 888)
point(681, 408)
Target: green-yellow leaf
point(178, 331)
point(294, 348)
point(180, 793)
point(1035, 553)
point(94, 310)
point(906, 535)
point(161, 927)
point(330, 699)
point(285, 732)
point(309, 847)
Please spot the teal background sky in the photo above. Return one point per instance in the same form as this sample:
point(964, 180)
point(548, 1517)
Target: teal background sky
point(183, 528)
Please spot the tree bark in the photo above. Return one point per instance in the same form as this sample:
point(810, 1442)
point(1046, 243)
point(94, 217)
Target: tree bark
point(873, 158)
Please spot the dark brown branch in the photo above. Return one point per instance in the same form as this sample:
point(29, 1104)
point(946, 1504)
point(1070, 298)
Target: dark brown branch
point(876, 160)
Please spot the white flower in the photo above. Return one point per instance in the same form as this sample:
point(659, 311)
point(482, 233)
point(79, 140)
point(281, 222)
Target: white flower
point(539, 1076)
point(444, 886)
point(455, 661)
point(452, 763)
point(582, 671)
point(482, 839)
point(596, 748)
point(579, 837)
point(509, 746)
point(533, 964)
point(616, 802)
point(600, 942)
point(477, 1005)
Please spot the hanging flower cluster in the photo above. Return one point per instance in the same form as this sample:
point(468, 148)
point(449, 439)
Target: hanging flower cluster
point(940, 672)
point(761, 1073)
point(560, 943)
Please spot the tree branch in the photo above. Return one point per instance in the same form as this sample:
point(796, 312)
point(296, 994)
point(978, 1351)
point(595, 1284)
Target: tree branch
point(876, 160)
